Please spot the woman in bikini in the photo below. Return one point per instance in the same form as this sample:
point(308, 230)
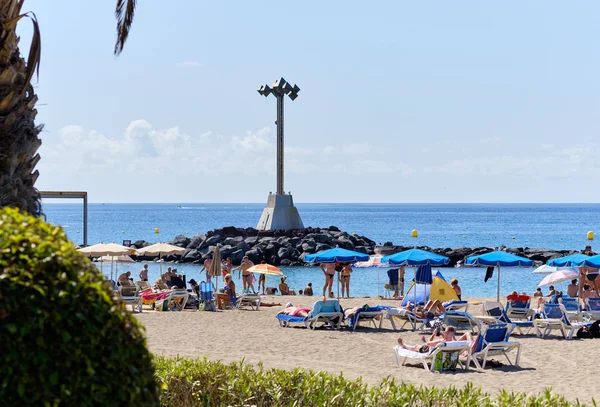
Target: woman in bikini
point(345, 279)
point(224, 299)
point(329, 271)
point(427, 345)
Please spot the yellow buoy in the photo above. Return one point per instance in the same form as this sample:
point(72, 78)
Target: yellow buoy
point(414, 233)
point(156, 230)
point(590, 235)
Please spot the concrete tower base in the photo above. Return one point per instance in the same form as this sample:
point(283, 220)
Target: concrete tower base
point(280, 214)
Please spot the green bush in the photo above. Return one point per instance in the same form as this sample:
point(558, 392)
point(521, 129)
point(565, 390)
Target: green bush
point(200, 382)
point(65, 341)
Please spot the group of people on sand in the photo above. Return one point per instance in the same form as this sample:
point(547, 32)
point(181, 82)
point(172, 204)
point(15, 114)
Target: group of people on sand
point(345, 272)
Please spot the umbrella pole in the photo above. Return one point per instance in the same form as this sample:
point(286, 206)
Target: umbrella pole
point(378, 282)
point(415, 288)
point(498, 292)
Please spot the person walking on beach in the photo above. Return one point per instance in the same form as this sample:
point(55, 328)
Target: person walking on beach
point(245, 274)
point(329, 271)
point(144, 273)
point(345, 279)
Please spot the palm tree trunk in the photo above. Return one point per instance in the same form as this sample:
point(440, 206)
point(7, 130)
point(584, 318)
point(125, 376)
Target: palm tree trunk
point(19, 140)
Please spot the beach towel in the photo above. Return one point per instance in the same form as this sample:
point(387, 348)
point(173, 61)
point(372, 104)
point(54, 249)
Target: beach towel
point(489, 273)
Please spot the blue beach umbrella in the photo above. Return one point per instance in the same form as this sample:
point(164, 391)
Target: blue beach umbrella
point(416, 258)
point(591, 262)
point(573, 260)
point(336, 255)
point(498, 259)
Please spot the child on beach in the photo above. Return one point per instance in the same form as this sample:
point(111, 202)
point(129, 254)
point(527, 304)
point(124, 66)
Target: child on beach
point(456, 288)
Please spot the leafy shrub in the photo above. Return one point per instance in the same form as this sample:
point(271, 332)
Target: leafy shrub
point(200, 382)
point(65, 340)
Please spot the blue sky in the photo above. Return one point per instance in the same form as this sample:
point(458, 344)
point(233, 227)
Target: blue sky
point(399, 102)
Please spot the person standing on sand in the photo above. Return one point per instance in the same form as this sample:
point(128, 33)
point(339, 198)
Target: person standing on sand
point(456, 288)
point(206, 266)
point(245, 274)
point(144, 273)
point(345, 279)
point(329, 271)
point(226, 267)
point(261, 282)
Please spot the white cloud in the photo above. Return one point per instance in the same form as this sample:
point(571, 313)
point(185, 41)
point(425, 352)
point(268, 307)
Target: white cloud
point(188, 64)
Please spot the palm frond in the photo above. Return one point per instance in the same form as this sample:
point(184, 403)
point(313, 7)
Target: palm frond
point(124, 12)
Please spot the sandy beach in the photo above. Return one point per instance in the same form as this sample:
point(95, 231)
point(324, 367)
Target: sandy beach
point(256, 336)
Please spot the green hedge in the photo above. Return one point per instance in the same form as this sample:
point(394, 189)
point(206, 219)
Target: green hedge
point(200, 382)
point(65, 340)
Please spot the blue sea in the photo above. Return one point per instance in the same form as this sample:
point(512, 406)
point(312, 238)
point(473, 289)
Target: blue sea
point(554, 226)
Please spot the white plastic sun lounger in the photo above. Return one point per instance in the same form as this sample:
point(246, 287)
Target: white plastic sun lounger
point(402, 355)
point(494, 341)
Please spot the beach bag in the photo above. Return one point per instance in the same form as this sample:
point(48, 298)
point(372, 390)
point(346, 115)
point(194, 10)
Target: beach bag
point(595, 330)
point(584, 333)
point(445, 361)
point(162, 305)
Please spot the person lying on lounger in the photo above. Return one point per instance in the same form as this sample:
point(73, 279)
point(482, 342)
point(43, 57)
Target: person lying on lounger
point(435, 339)
point(294, 311)
point(431, 310)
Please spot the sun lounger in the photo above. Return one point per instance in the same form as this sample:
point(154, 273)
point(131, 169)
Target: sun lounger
point(408, 317)
point(518, 307)
point(251, 300)
point(328, 311)
point(461, 320)
point(130, 296)
point(443, 351)
point(573, 309)
point(178, 298)
point(495, 310)
point(206, 301)
point(555, 318)
point(373, 314)
point(493, 341)
point(456, 305)
point(592, 308)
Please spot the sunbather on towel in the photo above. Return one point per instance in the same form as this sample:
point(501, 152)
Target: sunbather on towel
point(435, 339)
point(294, 311)
point(350, 312)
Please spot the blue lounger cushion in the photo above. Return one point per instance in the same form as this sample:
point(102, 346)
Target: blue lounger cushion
point(377, 308)
point(289, 318)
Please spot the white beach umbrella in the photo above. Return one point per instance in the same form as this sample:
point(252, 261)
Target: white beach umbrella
point(558, 277)
point(545, 269)
point(106, 249)
point(160, 249)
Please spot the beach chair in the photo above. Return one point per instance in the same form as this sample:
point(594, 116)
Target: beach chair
point(328, 311)
point(408, 317)
point(496, 310)
point(143, 285)
point(494, 341)
point(374, 315)
point(572, 307)
point(592, 306)
point(177, 299)
point(456, 305)
point(461, 320)
point(207, 299)
point(130, 296)
point(555, 318)
point(441, 352)
point(518, 307)
point(250, 300)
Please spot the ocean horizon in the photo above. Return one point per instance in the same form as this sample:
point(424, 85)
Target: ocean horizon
point(553, 226)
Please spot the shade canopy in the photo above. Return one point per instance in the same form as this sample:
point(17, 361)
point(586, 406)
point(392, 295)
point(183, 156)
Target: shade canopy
point(568, 261)
point(499, 258)
point(416, 257)
point(336, 255)
point(558, 277)
point(374, 261)
point(264, 268)
point(160, 249)
point(106, 249)
point(439, 289)
point(545, 269)
point(592, 262)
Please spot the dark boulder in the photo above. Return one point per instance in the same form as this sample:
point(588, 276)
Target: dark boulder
point(361, 249)
point(251, 241)
point(309, 247)
point(333, 229)
point(138, 244)
point(233, 241)
point(227, 251)
point(284, 252)
point(256, 254)
point(196, 241)
point(285, 262)
point(213, 240)
point(274, 260)
point(318, 237)
point(180, 241)
point(243, 246)
point(322, 246)
point(237, 256)
point(191, 255)
point(266, 240)
point(272, 248)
